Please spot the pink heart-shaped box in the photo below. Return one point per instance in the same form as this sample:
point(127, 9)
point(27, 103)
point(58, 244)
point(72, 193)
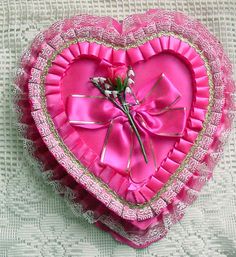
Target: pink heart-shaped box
point(180, 69)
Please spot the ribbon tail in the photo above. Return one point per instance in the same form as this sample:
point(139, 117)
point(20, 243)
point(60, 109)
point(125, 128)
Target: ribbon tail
point(140, 170)
point(91, 112)
point(117, 145)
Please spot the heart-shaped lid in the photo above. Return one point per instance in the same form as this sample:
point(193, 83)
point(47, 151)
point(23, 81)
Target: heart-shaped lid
point(130, 116)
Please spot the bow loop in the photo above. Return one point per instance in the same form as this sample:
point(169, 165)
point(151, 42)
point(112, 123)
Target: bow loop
point(160, 124)
point(118, 144)
point(90, 112)
point(162, 95)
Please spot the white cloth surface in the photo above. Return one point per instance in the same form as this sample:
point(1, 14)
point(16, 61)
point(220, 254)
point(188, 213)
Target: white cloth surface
point(34, 221)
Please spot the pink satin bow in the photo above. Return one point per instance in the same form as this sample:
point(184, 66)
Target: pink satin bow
point(154, 115)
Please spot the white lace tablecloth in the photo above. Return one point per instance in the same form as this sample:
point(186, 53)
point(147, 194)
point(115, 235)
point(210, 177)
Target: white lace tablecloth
point(34, 221)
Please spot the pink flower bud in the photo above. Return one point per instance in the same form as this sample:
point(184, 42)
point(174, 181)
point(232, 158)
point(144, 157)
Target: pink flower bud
point(117, 72)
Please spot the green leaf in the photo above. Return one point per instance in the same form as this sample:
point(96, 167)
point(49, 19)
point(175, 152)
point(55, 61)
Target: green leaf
point(119, 84)
point(125, 82)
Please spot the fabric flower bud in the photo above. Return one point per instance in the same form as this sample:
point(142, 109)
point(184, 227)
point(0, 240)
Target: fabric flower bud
point(95, 79)
point(115, 93)
point(107, 86)
point(115, 72)
point(130, 81)
point(131, 73)
point(102, 80)
point(107, 92)
point(128, 90)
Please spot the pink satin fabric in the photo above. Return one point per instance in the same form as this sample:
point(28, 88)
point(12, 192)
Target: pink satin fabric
point(154, 116)
point(70, 74)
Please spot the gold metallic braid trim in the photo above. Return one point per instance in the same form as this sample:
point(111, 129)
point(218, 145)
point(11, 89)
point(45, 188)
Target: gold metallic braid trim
point(114, 46)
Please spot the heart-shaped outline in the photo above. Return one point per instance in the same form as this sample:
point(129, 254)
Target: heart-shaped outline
point(155, 20)
point(38, 116)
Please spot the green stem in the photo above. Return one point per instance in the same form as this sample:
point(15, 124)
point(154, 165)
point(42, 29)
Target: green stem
point(134, 127)
point(132, 123)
